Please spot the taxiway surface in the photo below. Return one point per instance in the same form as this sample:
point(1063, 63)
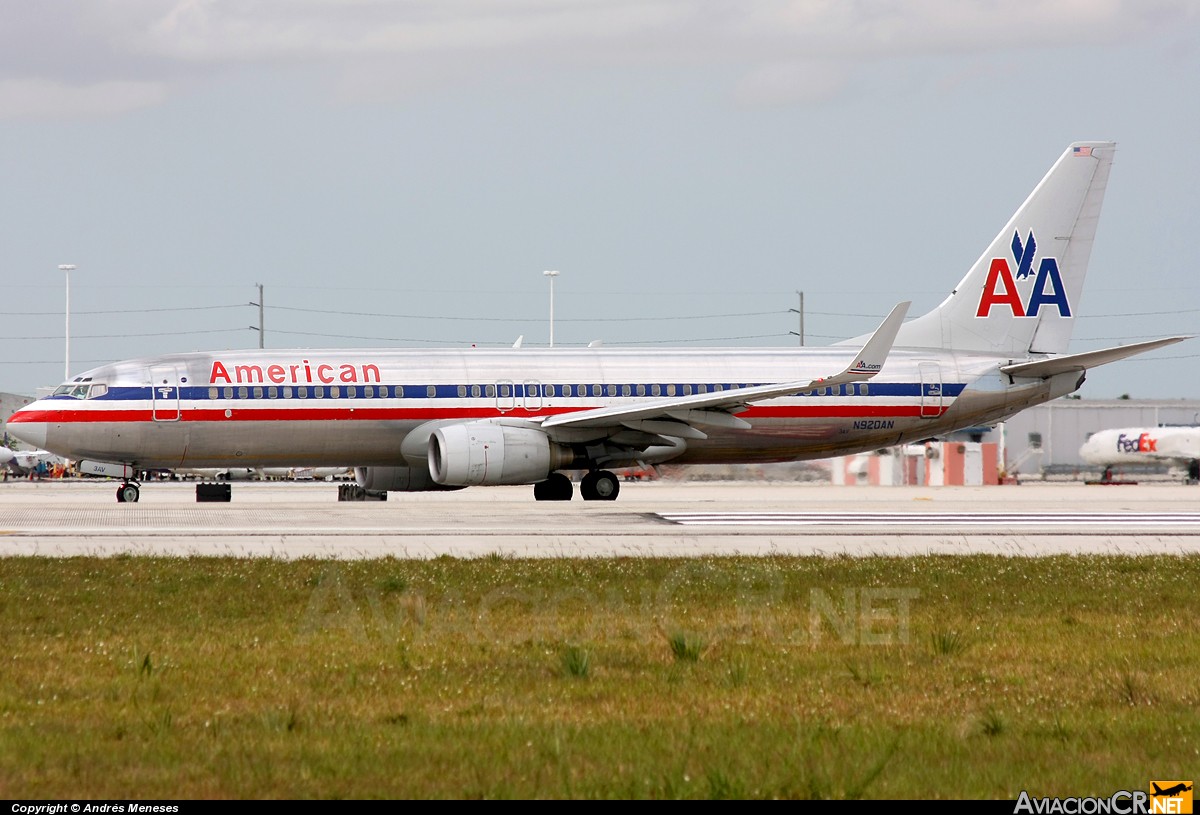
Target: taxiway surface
point(659, 519)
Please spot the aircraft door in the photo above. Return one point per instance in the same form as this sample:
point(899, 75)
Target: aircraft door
point(931, 389)
point(164, 394)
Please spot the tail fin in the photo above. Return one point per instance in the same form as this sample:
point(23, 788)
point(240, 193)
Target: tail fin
point(1020, 296)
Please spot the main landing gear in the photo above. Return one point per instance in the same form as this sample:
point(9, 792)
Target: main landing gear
point(128, 493)
point(555, 488)
point(598, 485)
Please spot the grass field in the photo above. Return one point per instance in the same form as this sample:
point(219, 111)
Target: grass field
point(931, 677)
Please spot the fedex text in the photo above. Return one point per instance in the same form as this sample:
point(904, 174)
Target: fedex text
point(1142, 443)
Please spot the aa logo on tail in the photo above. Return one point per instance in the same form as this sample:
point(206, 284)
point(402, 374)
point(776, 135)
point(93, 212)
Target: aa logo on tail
point(1171, 797)
point(1000, 289)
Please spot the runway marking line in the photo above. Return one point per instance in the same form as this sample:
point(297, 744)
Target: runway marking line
point(1124, 520)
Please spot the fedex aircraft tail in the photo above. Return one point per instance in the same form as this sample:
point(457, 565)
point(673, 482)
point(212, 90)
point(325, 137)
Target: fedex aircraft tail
point(1021, 296)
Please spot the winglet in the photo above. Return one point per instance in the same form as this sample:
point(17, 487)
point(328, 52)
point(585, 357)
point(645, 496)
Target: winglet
point(874, 353)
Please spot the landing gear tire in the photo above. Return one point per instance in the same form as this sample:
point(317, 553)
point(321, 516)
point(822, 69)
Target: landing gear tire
point(555, 488)
point(128, 494)
point(600, 485)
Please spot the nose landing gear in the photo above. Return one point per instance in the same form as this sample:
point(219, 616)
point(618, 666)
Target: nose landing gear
point(128, 493)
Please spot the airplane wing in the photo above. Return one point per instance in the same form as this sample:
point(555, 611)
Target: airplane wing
point(1043, 368)
point(677, 415)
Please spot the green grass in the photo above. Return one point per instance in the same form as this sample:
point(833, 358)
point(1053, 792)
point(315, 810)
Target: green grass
point(927, 677)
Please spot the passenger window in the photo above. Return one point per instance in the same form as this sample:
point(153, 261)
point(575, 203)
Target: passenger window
point(595, 390)
point(670, 390)
point(475, 391)
point(257, 392)
point(702, 389)
point(462, 391)
point(212, 393)
point(687, 390)
point(490, 390)
point(864, 389)
point(287, 392)
point(656, 390)
point(626, 390)
point(228, 394)
point(612, 390)
point(334, 392)
point(243, 393)
point(318, 391)
point(641, 390)
point(505, 390)
point(272, 392)
point(431, 391)
point(302, 391)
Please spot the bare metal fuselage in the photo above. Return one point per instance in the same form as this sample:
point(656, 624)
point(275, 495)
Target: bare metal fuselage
point(355, 407)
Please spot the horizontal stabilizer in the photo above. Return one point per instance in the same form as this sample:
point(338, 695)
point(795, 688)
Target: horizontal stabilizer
point(1042, 368)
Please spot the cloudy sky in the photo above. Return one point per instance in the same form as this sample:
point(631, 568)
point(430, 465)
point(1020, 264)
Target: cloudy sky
point(401, 173)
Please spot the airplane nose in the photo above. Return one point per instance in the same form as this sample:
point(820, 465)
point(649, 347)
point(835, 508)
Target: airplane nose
point(27, 429)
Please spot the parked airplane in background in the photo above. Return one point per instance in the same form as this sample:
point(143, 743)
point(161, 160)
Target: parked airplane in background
point(23, 462)
point(1144, 445)
point(412, 420)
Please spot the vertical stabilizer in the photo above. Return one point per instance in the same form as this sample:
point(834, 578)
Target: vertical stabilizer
point(1021, 296)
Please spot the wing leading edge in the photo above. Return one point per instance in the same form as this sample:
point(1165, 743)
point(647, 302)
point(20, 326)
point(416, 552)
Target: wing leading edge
point(717, 409)
point(1043, 368)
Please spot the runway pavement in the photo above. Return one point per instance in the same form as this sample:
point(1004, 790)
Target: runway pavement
point(659, 519)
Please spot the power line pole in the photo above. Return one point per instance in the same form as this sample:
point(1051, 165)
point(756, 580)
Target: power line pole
point(260, 328)
point(799, 311)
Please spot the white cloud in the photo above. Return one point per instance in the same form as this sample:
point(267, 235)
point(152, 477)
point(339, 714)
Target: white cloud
point(210, 30)
point(47, 99)
point(789, 50)
point(791, 82)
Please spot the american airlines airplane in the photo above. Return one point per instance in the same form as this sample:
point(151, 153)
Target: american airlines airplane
point(413, 420)
point(1144, 445)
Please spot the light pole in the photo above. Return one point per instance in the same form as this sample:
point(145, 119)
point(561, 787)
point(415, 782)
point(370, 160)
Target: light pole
point(551, 275)
point(68, 268)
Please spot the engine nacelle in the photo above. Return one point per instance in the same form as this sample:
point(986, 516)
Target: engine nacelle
point(489, 453)
point(396, 479)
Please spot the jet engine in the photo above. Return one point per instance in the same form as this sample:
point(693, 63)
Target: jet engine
point(490, 453)
point(396, 479)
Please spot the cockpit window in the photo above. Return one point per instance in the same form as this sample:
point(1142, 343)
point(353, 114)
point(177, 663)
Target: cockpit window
point(77, 388)
point(97, 391)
